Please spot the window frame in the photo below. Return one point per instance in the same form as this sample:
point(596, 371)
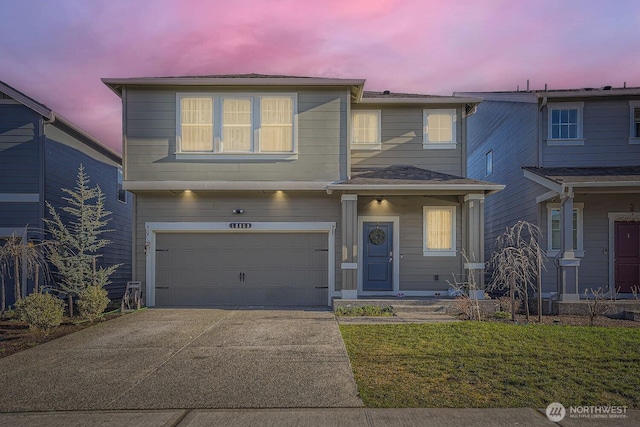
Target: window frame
point(217, 152)
point(121, 193)
point(377, 145)
point(579, 107)
point(439, 252)
point(577, 207)
point(444, 145)
point(634, 137)
point(488, 163)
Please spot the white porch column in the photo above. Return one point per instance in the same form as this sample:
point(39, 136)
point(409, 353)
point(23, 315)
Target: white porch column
point(474, 245)
point(568, 263)
point(349, 264)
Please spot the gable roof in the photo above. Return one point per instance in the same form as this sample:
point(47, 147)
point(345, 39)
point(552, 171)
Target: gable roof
point(52, 117)
point(407, 177)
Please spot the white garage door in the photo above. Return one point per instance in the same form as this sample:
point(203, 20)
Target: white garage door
point(205, 269)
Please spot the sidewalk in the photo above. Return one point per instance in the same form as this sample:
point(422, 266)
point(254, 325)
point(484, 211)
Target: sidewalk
point(521, 417)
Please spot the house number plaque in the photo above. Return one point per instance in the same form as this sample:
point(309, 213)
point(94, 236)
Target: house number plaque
point(240, 225)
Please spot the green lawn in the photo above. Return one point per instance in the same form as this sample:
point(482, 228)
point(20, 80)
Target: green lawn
point(485, 364)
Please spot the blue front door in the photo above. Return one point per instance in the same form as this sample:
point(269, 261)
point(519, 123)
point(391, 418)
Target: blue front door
point(377, 257)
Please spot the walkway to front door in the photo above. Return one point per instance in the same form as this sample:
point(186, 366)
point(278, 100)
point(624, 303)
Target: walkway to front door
point(377, 256)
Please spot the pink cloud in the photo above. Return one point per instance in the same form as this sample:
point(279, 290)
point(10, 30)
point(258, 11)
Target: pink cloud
point(58, 51)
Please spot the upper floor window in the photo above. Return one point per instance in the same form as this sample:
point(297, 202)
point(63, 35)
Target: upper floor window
point(488, 163)
point(439, 128)
point(122, 194)
point(236, 125)
point(365, 129)
point(634, 134)
point(565, 123)
point(554, 229)
point(439, 226)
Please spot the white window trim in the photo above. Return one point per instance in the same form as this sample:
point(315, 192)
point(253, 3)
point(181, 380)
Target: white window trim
point(217, 154)
point(488, 163)
point(579, 140)
point(439, 252)
point(425, 131)
point(369, 146)
point(579, 252)
point(632, 106)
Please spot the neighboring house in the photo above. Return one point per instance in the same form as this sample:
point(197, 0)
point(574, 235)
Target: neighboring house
point(40, 154)
point(277, 190)
point(571, 163)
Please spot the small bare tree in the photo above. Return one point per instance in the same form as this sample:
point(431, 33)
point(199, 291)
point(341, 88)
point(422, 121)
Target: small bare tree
point(466, 296)
point(597, 303)
point(517, 264)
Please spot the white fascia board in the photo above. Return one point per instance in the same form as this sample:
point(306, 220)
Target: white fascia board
point(524, 97)
point(551, 185)
point(115, 84)
point(225, 185)
point(604, 184)
point(409, 187)
point(588, 93)
point(546, 196)
point(421, 101)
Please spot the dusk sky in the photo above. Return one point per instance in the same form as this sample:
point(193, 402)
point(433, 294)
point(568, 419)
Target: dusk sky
point(56, 51)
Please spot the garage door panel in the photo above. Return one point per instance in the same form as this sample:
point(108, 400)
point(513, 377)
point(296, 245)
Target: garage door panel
point(197, 269)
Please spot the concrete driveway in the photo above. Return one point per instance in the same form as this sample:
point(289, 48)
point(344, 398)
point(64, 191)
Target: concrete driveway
point(186, 358)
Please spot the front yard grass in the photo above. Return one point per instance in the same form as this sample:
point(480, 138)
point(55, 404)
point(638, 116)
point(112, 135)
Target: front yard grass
point(487, 364)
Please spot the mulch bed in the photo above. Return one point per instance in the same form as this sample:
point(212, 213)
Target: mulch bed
point(15, 335)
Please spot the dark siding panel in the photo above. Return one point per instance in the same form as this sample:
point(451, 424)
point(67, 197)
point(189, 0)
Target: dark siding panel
point(19, 150)
point(62, 163)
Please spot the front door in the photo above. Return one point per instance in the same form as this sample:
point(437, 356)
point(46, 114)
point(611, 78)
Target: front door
point(377, 257)
point(627, 261)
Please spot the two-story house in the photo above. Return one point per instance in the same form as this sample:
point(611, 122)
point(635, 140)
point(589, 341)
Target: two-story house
point(278, 190)
point(40, 153)
point(571, 163)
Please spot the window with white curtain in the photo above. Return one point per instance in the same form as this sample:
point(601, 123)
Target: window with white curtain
point(236, 125)
point(365, 129)
point(276, 124)
point(196, 124)
point(439, 225)
point(439, 129)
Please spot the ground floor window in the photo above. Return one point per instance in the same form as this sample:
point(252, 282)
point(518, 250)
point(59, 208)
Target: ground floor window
point(439, 230)
point(554, 229)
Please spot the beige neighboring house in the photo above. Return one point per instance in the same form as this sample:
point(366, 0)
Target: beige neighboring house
point(281, 190)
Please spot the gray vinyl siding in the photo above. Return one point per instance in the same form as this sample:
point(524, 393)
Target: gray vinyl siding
point(150, 142)
point(402, 143)
point(417, 272)
point(594, 266)
point(606, 130)
point(62, 162)
point(218, 207)
point(508, 129)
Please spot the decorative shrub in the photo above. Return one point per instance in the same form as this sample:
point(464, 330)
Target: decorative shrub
point(92, 301)
point(41, 311)
point(501, 315)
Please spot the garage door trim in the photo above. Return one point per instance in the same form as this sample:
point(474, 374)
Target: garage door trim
point(152, 228)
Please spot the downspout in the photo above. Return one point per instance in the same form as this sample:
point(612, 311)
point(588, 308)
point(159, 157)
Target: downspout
point(540, 130)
